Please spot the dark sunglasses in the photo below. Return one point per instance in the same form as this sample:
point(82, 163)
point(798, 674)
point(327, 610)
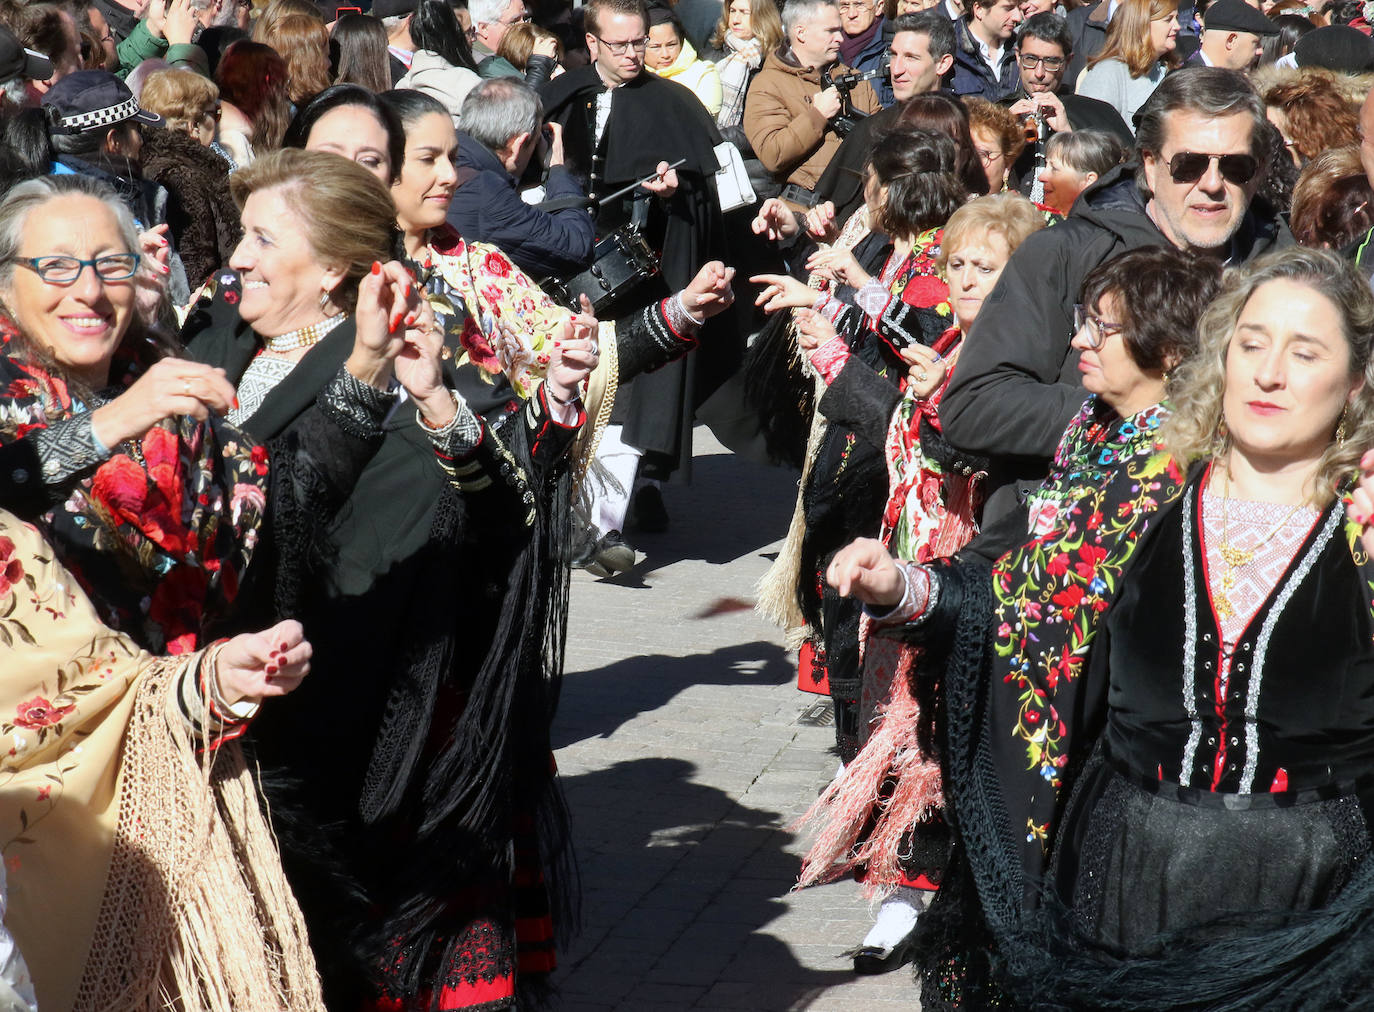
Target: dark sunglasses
point(1190, 166)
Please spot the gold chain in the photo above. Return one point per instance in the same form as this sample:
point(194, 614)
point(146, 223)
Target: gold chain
point(1237, 558)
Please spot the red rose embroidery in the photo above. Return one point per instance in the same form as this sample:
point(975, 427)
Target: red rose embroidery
point(478, 348)
point(494, 263)
point(11, 569)
point(38, 713)
point(925, 292)
point(177, 606)
point(259, 458)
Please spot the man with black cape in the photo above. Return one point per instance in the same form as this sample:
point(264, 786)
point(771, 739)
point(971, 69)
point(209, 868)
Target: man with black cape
point(622, 124)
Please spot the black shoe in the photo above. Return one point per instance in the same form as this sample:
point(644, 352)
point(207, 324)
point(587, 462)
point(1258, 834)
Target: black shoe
point(583, 548)
point(611, 556)
point(647, 510)
point(870, 960)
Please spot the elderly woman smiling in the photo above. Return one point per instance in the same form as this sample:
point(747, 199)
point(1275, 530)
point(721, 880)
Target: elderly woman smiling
point(161, 502)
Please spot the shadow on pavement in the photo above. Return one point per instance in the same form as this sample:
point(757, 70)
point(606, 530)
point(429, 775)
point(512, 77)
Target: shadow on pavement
point(678, 882)
point(595, 703)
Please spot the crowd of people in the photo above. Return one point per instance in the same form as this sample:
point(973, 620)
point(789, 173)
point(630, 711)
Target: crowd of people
point(333, 338)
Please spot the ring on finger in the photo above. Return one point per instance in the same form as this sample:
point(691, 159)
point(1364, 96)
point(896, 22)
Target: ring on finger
point(596, 347)
point(921, 376)
point(186, 387)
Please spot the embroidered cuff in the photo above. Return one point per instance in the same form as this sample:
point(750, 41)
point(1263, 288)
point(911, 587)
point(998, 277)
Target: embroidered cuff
point(872, 298)
point(679, 317)
point(830, 358)
point(460, 436)
point(68, 447)
point(359, 408)
point(919, 598)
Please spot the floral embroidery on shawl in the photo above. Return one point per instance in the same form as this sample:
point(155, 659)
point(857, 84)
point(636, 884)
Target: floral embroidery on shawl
point(473, 289)
point(162, 532)
point(1049, 597)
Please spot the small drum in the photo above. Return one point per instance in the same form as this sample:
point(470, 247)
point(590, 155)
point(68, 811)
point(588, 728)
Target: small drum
point(624, 262)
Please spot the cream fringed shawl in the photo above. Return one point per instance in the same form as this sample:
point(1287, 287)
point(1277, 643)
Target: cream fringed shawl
point(142, 874)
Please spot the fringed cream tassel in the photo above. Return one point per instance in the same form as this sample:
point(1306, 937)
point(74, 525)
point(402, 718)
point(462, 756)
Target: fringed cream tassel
point(197, 914)
point(853, 803)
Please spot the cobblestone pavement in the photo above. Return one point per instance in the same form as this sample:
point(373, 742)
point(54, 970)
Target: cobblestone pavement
point(684, 763)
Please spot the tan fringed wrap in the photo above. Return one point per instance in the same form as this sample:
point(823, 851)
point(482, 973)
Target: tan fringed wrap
point(775, 596)
point(599, 401)
point(142, 876)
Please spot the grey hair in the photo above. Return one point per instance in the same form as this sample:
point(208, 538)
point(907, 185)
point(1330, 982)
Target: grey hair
point(28, 196)
point(1208, 91)
point(14, 92)
point(484, 12)
point(394, 22)
point(799, 12)
point(500, 108)
point(1087, 150)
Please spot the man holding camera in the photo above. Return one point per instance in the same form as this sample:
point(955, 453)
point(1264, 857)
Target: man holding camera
point(799, 107)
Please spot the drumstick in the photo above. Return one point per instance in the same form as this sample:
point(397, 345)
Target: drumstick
point(648, 179)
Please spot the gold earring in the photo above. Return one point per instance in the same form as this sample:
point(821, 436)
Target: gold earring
point(1341, 434)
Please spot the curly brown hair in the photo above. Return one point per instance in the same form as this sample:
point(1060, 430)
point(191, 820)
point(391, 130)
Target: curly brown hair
point(1316, 113)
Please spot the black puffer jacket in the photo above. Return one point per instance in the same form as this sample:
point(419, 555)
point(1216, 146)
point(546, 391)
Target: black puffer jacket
point(1017, 385)
point(203, 218)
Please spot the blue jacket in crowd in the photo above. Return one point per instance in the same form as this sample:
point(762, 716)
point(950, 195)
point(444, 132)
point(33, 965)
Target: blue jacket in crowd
point(973, 76)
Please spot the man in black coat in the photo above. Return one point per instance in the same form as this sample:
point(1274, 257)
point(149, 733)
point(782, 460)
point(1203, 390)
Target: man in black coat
point(1231, 35)
point(1017, 385)
point(622, 125)
point(501, 120)
point(1043, 49)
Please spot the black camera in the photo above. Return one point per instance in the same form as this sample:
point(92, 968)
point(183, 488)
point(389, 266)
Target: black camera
point(848, 117)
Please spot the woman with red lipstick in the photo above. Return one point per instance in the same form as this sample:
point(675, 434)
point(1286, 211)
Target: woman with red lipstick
point(1159, 715)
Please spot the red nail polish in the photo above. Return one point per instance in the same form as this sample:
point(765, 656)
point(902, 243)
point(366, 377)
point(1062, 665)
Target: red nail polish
point(376, 267)
point(271, 669)
point(406, 293)
point(235, 402)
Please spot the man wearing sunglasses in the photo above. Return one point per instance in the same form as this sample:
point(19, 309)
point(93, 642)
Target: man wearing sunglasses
point(1190, 184)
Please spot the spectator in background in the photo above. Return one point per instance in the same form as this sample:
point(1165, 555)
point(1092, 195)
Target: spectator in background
point(984, 56)
point(1138, 52)
point(303, 42)
point(1313, 114)
point(789, 114)
point(363, 57)
point(49, 30)
point(534, 51)
point(200, 211)
point(253, 104)
point(1231, 36)
point(20, 68)
point(1333, 203)
point(442, 65)
point(747, 32)
point(396, 17)
point(353, 122)
point(500, 128)
point(670, 55)
point(1291, 27)
point(998, 139)
point(1073, 162)
point(865, 41)
point(490, 19)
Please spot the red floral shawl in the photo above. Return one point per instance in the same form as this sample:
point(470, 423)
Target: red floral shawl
point(161, 533)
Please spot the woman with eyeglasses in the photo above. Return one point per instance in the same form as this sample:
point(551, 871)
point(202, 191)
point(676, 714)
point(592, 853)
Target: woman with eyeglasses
point(1158, 713)
point(1138, 51)
point(998, 138)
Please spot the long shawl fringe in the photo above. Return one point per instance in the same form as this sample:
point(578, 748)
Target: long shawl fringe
point(197, 914)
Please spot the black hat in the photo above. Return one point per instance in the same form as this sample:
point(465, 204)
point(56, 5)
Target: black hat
point(16, 61)
point(93, 100)
point(1237, 16)
point(392, 8)
point(1340, 48)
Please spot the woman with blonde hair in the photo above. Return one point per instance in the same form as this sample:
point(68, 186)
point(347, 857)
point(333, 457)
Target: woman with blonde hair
point(748, 31)
point(1159, 746)
point(303, 42)
point(1137, 53)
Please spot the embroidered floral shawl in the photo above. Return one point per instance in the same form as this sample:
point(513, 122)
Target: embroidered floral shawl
point(162, 532)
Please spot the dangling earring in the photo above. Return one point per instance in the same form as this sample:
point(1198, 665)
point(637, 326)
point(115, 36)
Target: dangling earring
point(325, 305)
point(1341, 434)
point(1223, 443)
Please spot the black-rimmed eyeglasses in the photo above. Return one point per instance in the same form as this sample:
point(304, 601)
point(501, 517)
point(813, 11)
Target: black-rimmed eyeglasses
point(621, 48)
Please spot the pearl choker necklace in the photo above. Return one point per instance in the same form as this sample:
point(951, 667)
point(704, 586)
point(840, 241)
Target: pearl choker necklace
point(304, 337)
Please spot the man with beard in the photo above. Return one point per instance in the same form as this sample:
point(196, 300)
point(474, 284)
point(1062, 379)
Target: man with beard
point(621, 125)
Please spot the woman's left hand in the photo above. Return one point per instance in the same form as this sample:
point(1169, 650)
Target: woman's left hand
point(813, 330)
point(574, 356)
point(419, 367)
point(254, 666)
point(709, 292)
point(389, 302)
point(838, 265)
point(150, 283)
point(1362, 502)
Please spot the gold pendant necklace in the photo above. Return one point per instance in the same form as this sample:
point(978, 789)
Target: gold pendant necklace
point(1235, 557)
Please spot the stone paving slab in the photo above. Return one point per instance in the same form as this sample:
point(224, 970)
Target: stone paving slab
point(684, 764)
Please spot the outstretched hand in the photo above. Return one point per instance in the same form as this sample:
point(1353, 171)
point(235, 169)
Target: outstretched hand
point(813, 329)
point(253, 666)
point(782, 291)
point(575, 355)
point(863, 569)
point(389, 302)
point(775, 220)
